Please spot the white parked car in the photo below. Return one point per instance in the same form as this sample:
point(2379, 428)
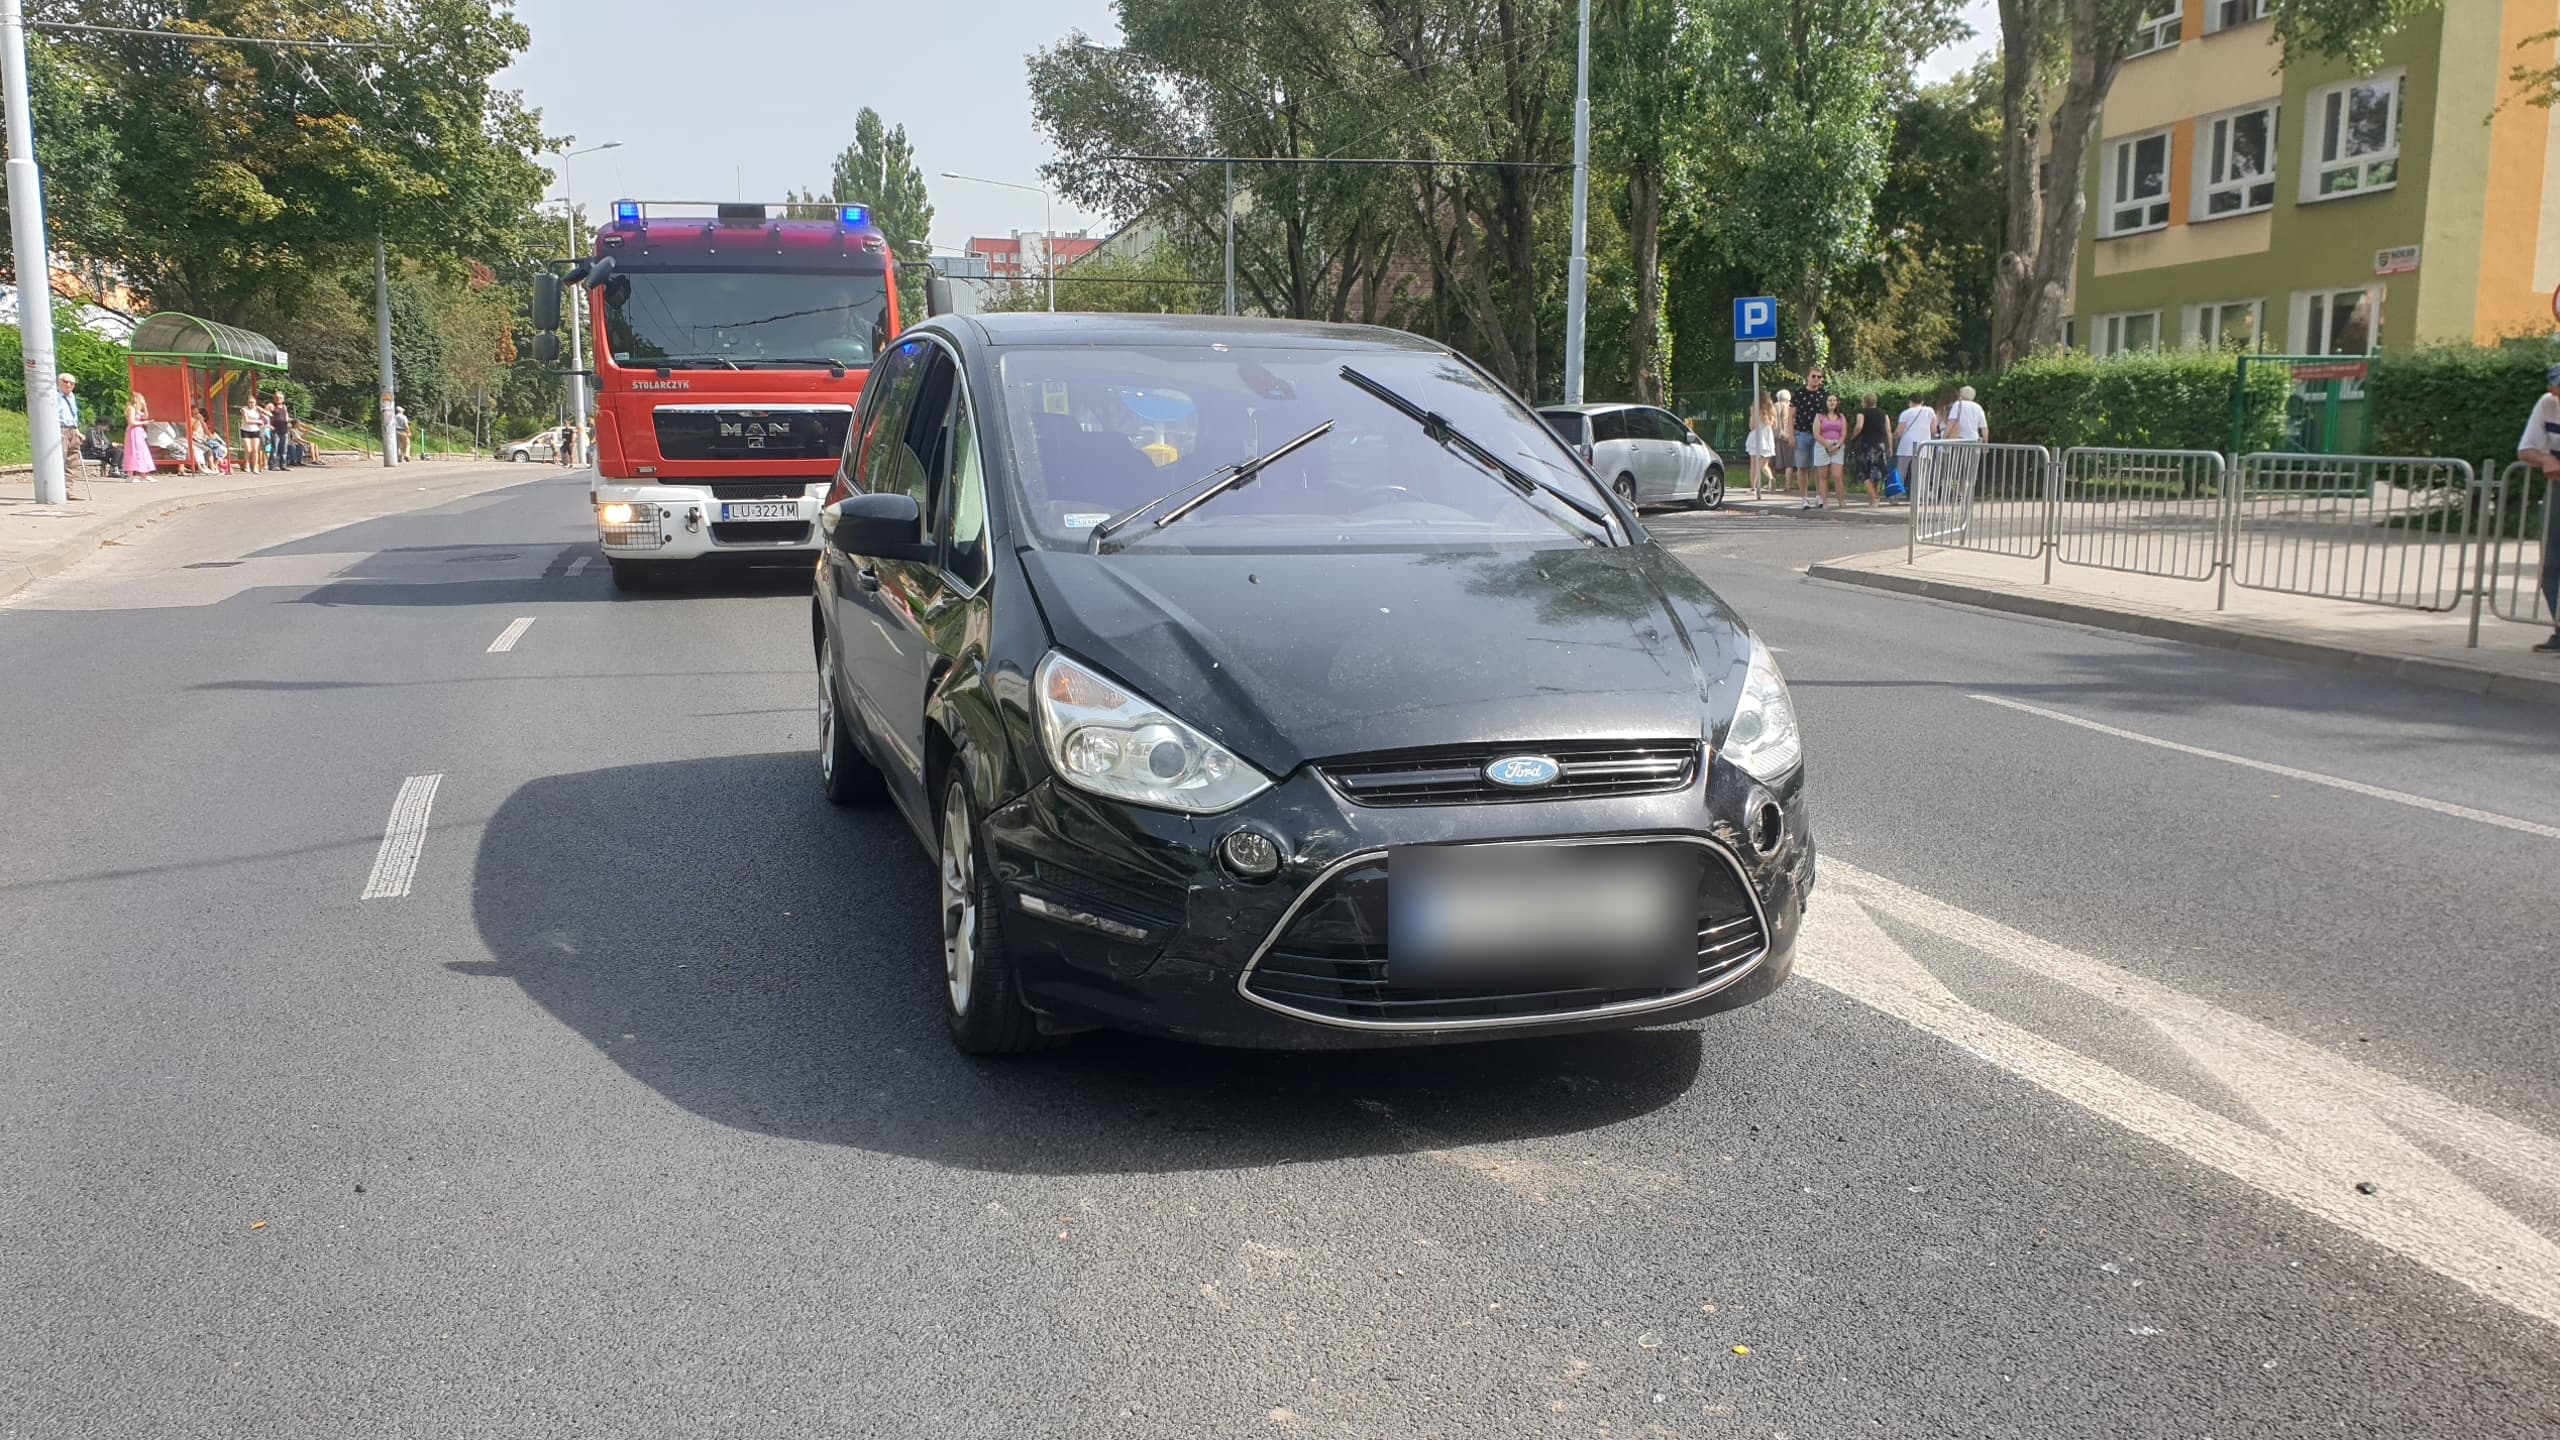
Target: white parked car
point(544, 447)
point(1642, 452)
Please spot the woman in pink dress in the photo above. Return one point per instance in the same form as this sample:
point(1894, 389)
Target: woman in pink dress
point(138, 463)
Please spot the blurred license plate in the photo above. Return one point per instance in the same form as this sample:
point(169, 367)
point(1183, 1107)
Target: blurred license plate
point(760, 510)
point(1570, 915)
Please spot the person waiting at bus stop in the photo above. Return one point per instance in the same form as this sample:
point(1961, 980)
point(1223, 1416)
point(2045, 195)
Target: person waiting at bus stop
point(2540, 446)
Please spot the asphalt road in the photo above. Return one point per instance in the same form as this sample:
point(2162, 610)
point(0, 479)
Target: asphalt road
point(627, 1112)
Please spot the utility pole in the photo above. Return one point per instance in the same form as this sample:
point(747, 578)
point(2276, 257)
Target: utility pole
point(1578, 276)
point(35, 263)
point(1231, 237)
point(577, 324)
point(382, 353)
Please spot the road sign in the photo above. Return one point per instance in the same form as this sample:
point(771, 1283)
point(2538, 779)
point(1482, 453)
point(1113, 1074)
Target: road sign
point(1755, 352)
point(1755, 318)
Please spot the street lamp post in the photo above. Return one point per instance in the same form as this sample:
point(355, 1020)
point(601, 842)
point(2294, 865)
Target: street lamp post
point(577, 324)
point(35, 264)
point(1578, 270)
point(1048, 227)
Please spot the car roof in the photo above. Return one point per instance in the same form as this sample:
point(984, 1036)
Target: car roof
point(1596, 407)
point(1040, 328)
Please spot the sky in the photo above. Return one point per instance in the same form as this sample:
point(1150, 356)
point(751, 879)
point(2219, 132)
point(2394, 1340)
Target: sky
point(755, 97)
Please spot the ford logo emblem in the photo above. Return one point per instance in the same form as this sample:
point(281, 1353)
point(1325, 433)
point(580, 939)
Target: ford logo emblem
point(1523, 772)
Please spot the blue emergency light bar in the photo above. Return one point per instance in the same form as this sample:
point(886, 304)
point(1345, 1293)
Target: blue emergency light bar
point(626, 212)
point(856, 215)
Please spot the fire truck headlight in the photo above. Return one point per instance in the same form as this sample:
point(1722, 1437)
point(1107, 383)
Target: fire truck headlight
point(617, 513)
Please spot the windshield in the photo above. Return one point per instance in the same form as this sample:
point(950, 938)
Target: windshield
point(687, 320)
point(1097, 431)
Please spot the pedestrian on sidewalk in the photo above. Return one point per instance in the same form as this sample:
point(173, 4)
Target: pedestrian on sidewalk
point(1762, 443)
point(1965, 420)
point(67, 410)
point(138, 464)
point(2539, 446)
point(1870, 442)
point(400, 432)
point(280, 425)
point(253, 434)
point(1830, 436)
point(1782, 427)
point(1809, 403)
point(1914, 427)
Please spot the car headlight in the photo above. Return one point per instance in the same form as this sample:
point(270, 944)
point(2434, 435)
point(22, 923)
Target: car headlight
point(1101, 738)
point(1763, 738)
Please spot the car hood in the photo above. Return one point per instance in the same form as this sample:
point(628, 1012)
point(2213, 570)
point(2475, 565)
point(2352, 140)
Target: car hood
point(1290, 657)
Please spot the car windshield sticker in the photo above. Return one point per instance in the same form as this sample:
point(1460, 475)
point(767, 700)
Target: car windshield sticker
point(1053, 397)
point(1086, 519)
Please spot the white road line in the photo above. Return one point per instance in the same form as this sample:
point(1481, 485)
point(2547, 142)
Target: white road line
point(2396, 797)
point(508, 637)
point(2309, 1126)
point(577, 566)
point(404, 839)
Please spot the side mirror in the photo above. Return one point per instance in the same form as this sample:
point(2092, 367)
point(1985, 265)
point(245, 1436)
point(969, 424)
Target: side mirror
point(546, 347)
point(937, 295)
point(890, 527)
point(546, 301)
point(599, 271)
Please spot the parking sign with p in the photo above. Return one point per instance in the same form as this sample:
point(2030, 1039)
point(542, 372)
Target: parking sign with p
point(1755, 318)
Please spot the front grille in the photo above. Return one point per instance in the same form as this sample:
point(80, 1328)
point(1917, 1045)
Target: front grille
point(783, 489)
point(1455, 775)
point(753, 433)
point(760, 532)
point(1330, 961)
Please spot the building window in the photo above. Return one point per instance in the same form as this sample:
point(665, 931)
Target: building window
point(2124, 334)
point(2156, 28)
point(2354, 144)
point(2239, 170)
point(2137, 182)
point(2220, 15)
point(2340, 322)
point(2070, 333)
point(2228, 325)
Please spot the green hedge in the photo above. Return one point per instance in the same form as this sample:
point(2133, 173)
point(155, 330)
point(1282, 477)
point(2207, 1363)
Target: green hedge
point(98, 363)
point(2160, 399)
point(2464, 402)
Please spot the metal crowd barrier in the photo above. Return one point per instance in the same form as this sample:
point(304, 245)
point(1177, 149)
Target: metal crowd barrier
point(2378, 530)
point(2515, 542)
point(1975, 495)
point(2147, 512)
point(2413, 532)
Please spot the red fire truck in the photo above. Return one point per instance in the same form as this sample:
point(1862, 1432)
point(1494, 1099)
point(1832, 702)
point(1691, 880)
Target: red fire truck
point(729, 349)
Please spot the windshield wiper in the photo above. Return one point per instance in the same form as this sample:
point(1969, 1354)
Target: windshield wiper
point(1218, 482)
point(1437, 426)
point(663, 362)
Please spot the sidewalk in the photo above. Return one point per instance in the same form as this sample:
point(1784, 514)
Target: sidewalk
point(40, 540)
point(1892, 512)
point(2425, 648)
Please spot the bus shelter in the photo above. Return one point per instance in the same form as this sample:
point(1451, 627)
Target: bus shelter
point(191, 369)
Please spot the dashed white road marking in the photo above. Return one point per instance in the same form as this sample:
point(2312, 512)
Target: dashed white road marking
point(577, 566)
point(404, 838)
point(2357, 787)
point(2308, 1128)
point(508, 637)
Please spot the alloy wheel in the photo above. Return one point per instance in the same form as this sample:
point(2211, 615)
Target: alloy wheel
point(827, 710)
point(959, 899)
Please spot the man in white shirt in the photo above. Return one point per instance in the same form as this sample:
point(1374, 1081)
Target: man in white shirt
point(1916, 425)
point(1965, 420)
point(2540, 446)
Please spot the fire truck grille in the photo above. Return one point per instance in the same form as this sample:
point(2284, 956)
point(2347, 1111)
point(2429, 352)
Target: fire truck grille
point(772, 433)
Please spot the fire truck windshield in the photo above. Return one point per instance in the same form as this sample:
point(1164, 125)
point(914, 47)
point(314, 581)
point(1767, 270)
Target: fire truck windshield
point(744, 319)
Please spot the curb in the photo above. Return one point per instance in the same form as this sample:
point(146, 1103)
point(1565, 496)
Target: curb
point(2441, 674)
point(71, 548)
point(1785, 511)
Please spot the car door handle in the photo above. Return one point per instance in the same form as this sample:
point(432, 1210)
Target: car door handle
point(865, 576)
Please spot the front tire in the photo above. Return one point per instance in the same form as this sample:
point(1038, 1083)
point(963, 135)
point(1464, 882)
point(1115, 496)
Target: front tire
point(631, 576)
point(982, 992)
point(848, 777)
point(1710, 488)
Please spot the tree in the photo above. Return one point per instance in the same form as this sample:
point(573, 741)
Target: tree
point(1924, 300)
point(216, 176)
point(2059, 59)
point(1644, 100)
point(878, 170)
